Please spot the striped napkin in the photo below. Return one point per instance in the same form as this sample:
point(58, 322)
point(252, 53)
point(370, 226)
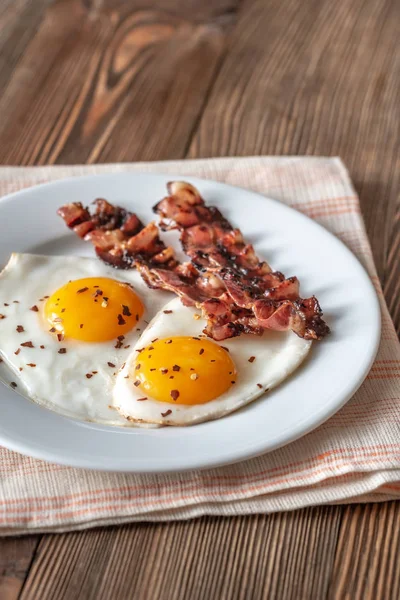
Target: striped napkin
point(354, 457)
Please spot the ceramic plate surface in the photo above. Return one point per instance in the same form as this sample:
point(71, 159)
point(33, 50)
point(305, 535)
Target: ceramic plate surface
point(290, 242)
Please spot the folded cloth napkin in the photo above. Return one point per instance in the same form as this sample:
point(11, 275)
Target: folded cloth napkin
point(354, 457)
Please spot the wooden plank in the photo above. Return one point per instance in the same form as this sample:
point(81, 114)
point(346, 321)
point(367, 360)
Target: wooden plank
point(97, 83)
point(282, 555)
point(19, 20)
point(16, 555)
point(324, 80)
point(367, 558)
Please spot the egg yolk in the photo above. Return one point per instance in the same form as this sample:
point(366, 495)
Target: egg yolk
point(93, 309)
point(183, 370)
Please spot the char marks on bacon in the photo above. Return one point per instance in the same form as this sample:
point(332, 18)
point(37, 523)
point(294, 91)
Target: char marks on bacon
point(118, 236)
point(216, 247)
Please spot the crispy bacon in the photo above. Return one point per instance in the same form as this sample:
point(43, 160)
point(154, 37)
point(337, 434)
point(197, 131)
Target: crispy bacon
point(118, 236)
point(236, 292)
point(216, 247)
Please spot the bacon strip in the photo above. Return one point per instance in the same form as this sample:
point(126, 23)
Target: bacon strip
point(121, 240)
point(216, 247)
point(119, 237)
point(236, 292)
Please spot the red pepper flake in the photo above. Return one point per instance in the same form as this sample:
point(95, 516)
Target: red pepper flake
point(169, 342)
point(171, 376)
point(201, 351)
point(110, 364)
point(31, 365)
point(136, 383)
point(34, 308)
point(60, 337)
point(121, 338)
point(196, 338)
point(176, 368)
point(27, 345)
point(153, 369)
point(20, 329)
point(63, 310)
point(17, 351)
point(150, 348)
point(42, 347)
point(84, 289)
point(46, 297)
point(259, 385)
point(139, 350)
point(174, 394)
point(5, 304)
point(81, 326)
point(164, 371)
point(212, 360)
point(94, 372)
point(53, 330)
point(225, 348)
point(233, 381)
point(167, 312)
point(149, 356)
point(138, 366)
point(118, 345)
point(13, 384)
point(105, 298)
point(17, 301)
point(121, 320)
point(2, 317)
point(96, 286)
point(252, 359)
point(21, 369)
point(141, 399)
point(89, 375)
point(155, 339)
point(167, 412)
point(98, 293)
point(127, 346)
point(62, 351)
point(126, 377)
point(125, 311)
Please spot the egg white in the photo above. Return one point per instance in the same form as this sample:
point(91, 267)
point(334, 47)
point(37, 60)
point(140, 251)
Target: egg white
point(59, 381)
point(277, 355)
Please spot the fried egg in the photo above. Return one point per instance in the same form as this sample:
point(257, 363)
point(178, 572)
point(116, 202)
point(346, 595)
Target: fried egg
point(177, 376)
point(67, 324)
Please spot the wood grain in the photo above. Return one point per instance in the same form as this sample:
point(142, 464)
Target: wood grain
point(205, 558)
point(366, 563)
point(324, 81)
point(100, 84)
point(109, 80)
point(16, 556)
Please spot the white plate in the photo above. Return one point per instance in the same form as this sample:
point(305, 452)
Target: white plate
point(290, 242)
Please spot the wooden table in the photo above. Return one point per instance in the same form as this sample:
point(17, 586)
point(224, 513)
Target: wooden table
point(96, 81)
